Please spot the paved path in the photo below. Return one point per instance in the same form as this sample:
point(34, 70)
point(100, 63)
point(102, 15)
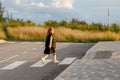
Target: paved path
point(101, 62)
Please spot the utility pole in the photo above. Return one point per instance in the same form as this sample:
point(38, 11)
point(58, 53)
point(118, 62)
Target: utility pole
point(108, 20)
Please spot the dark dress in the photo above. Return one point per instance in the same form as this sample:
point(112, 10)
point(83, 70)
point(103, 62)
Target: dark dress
point(47, 44)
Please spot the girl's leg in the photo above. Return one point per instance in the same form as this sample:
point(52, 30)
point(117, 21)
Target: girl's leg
point(55, 58)
point(54, 54)
point(46, 56)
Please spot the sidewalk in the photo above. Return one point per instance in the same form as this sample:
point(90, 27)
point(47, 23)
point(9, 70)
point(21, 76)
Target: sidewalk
point(101, 62)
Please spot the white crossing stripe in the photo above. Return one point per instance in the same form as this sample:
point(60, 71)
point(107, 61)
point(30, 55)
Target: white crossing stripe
point(9, 58)
point(14, 65)
point(34, 49)
point(24, 52)
point(40, 64)
point(67, 61)
point(11, 42)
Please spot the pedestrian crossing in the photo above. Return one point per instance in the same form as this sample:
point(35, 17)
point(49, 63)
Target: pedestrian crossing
point(38, 64)
point(14, 65)
point(67, 61)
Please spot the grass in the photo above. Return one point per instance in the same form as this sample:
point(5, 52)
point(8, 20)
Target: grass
point(62, 34)
point(27, 33)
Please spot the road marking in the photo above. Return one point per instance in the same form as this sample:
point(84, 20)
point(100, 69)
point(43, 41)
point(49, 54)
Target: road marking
point(24, 52)
point(11, 42)
point(34, 49)
point(42, 47)
point(14, 65)
point(8, 58)
point(40, 64)
point(67, 61)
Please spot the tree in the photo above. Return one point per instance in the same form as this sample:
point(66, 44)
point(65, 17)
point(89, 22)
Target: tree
point(63, 23)
point(29, 23)
point(76, 21)
point(2, 11)
point(51, 23)
point(4, 14)
point(115, 27)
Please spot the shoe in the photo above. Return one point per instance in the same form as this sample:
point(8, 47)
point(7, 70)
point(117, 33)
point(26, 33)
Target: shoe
point(56, 61)
point(42, 60)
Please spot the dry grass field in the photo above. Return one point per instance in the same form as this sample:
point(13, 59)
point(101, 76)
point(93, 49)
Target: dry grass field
point(62, 34)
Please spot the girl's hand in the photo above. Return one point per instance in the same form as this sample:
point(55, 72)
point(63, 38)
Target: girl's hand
point(50, 47)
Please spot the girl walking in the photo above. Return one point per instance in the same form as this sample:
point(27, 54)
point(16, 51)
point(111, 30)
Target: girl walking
point(50, 45)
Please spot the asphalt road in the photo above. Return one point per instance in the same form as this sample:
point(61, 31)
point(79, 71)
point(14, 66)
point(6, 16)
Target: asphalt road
point(22, 60)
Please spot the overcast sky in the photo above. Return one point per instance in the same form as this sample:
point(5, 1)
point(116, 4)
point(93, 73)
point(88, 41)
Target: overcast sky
point(43, 10)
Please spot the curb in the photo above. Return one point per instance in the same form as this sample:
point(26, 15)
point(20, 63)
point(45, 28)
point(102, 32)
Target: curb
point(2, 41)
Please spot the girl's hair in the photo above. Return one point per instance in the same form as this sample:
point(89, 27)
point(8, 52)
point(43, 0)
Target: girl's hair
point(50, 31)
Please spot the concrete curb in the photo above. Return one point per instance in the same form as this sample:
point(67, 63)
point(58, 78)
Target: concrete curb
point(2, 41)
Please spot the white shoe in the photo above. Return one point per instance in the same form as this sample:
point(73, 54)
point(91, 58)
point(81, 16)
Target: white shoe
point(42, 60)
point(56, 61)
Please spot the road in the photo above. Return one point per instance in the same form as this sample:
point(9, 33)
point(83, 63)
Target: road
point(22, 60)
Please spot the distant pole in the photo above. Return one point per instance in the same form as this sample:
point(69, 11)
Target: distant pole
point(108, 20)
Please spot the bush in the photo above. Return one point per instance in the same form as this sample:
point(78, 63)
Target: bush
point(2, 34)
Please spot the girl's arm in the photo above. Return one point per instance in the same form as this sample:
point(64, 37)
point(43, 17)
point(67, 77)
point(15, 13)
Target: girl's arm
point(51, 37)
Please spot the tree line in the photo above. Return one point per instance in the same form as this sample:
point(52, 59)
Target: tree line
point(6, 20)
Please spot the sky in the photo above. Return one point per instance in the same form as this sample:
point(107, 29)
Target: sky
point(40, 11)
